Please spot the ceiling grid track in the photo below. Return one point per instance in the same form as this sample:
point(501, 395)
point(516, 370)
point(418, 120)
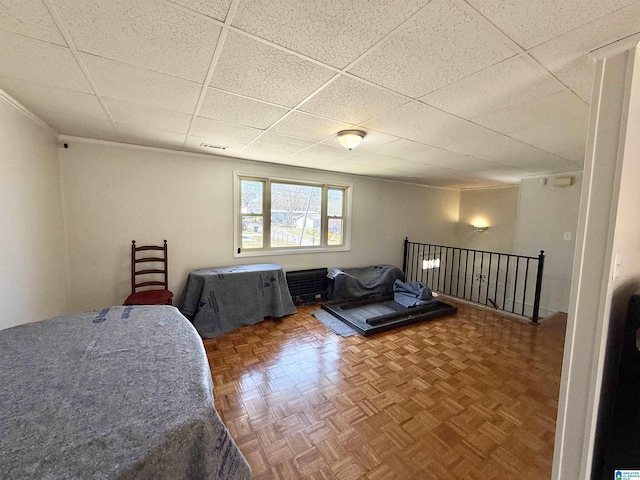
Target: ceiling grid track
point(506, 40)
point(233, 8)
point(76, 55)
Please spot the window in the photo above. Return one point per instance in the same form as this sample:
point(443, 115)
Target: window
point(289, 216)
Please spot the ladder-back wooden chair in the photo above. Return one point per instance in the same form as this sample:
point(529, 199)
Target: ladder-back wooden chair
point(144, 276)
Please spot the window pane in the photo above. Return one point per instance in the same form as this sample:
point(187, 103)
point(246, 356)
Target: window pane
point(295, 215)
point(251, 196)
point(251, 231)
point(334, 207)
point(335, 231)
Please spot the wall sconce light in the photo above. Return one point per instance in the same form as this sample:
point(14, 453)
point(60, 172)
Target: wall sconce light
point(479, 228)
point(350, 138)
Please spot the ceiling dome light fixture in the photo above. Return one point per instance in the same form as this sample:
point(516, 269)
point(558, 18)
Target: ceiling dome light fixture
point(350, 138)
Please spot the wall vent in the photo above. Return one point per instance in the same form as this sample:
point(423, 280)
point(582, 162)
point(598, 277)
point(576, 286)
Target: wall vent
point(216, 147)
point(307, 286)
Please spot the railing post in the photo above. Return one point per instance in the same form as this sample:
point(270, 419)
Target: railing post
point(536, 301)
point(404, 260)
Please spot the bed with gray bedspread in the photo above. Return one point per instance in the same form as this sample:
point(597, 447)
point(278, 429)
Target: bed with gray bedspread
point(118, 393)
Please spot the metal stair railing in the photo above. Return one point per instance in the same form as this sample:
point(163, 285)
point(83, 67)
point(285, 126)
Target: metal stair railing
point(505, 281)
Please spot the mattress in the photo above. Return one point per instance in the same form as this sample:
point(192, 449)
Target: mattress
point(117, 393)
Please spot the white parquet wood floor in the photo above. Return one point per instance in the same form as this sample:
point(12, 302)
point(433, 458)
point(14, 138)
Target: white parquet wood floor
point(470, 396)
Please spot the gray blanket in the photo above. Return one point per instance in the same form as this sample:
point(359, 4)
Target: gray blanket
point(119, 393)
point(411, 294)
point(219, 300)
point(359, 282)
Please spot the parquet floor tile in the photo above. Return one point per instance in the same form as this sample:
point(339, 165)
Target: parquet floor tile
point(471, 396)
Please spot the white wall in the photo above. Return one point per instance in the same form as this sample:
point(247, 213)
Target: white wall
point(115, 193)
point(33, 268)
point(495, 207)
point(545, 214)
point(608, 230)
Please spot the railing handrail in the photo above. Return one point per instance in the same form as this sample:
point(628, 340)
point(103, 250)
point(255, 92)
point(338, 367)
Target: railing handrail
point(424, 252)
point(473, 250)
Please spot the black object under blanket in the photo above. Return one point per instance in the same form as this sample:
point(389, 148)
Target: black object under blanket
point(381, 313)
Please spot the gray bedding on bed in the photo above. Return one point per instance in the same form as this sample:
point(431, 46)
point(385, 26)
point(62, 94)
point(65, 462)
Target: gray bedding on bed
point(118, 393)
point(363, 281)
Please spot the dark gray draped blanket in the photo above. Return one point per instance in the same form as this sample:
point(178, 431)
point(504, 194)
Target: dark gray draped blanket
point(219, 300)
point(363, 281)
point(119, 393)
point(412, 294)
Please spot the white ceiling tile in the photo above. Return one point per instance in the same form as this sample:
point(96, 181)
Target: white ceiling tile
point(567, 139)
point(567, 56)
point(514, 153)
point(540, 111)
point(500, 172)
point(534, 22)
point(194, 144)
point(455, 179)
point(153, 34)
point(578, 76)
point(301, 125)
point(466, 163)
point(223, 133)
point(251, 68)
point(40, 62)
point(361, 169)
point(562, 166)
point(413, 121)
point(82, 126)
point(352, 101)
point(333, 32)
point(42, 98)
point(137, 85)
point(31, 19)
point(300, 160)
point(325, 152)
point(402, 148)
point(511, 82)
point(407, 166)
point(438, 46)
point(217, 9)
point(260, 154)
point(143, 116)
point(282, 143)
point(437, 156)
point(150, 137)
point(475, 141)
point(368, 158)
point(467, 138)
point(230, 108)
point(577, 43)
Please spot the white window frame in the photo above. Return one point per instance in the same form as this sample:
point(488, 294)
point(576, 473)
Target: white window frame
point(267, 250)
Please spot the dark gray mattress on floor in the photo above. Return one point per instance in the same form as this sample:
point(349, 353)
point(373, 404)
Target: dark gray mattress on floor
point(118, 393)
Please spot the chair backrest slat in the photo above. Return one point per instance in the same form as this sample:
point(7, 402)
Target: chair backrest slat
point(163, 270)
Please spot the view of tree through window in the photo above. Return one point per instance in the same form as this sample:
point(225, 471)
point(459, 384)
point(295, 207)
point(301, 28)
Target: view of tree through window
point(284, 214)
point(295, 215)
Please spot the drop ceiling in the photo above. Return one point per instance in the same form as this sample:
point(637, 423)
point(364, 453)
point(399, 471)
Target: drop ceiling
point(453, 93)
